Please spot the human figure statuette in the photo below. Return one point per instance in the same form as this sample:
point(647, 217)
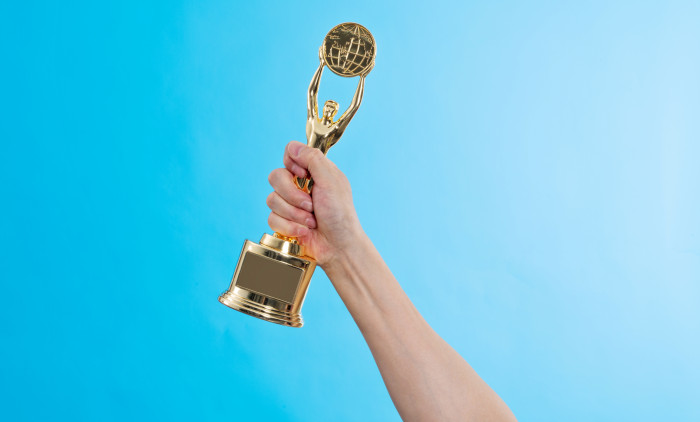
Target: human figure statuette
point(322, 132)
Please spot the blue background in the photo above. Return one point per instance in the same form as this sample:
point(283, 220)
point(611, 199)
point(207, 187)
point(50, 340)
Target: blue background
point(529, 171)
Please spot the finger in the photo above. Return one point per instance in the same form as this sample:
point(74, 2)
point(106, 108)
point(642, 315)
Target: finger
point(292, 147)
point(286, 227)
point(282, 182)
point(282, 208)
point(311, 159)
point(293, 167)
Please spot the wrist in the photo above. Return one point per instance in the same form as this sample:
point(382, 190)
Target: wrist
point(355, 243)
point(362, 279)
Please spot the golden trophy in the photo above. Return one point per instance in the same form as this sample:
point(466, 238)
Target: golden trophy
point(272, 277)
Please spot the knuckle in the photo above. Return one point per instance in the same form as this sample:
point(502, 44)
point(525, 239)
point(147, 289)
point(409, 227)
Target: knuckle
point(315, 154)
point(271, 177)
point(270, 199)
point(276, 177)
point(315, 158)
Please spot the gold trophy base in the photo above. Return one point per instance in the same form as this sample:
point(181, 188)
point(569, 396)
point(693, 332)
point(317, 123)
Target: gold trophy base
point(258, 306)
point(271, 280)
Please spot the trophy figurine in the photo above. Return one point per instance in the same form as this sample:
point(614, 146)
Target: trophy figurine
point(272, 277)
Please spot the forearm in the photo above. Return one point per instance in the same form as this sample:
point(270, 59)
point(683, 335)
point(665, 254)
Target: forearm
point(426, 378)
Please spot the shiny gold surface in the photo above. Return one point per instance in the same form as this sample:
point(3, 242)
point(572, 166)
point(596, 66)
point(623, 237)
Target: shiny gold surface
point(288, 245)
point(262, 274)
point(272, 277)
point(269, 284)
point(348, 50)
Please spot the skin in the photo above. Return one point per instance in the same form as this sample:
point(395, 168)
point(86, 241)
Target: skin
point(426, 378)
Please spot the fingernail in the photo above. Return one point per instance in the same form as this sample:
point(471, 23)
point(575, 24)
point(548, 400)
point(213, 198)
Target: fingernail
point(302, 231)
point(307, 205)
point(311, 223)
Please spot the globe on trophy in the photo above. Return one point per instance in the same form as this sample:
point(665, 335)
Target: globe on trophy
point(272, 277)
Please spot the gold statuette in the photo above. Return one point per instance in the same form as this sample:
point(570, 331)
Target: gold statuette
point(272, 277)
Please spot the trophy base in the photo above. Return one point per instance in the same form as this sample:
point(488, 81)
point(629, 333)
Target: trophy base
point(271, 280)
point(259, 306)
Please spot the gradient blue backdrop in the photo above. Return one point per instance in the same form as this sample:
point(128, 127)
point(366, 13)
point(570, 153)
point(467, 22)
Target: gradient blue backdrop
point(529, 170)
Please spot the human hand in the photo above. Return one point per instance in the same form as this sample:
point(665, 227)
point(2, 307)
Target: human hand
point(326, 224)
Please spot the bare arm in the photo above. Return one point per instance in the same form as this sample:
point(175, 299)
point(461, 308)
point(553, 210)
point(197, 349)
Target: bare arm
point(426, 378)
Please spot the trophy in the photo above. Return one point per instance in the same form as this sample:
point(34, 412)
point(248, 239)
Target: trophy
point(272, 277)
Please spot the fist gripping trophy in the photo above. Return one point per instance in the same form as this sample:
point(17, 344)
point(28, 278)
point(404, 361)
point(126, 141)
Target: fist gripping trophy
point(272, 277)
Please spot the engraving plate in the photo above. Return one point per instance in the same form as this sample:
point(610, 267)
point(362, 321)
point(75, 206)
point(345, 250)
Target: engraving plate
point(269, 277)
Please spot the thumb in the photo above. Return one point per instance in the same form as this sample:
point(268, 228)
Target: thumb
point(311, 159)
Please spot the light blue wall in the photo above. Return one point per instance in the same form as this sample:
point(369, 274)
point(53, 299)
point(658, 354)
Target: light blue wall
point(529, 171)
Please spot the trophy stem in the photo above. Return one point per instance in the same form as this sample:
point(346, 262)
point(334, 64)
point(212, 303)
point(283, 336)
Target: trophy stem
point(304, 184)
point(282, 243)
point(285, 238)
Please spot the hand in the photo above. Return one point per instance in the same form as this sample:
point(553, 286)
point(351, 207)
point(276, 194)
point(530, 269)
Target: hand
point(333, 227)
